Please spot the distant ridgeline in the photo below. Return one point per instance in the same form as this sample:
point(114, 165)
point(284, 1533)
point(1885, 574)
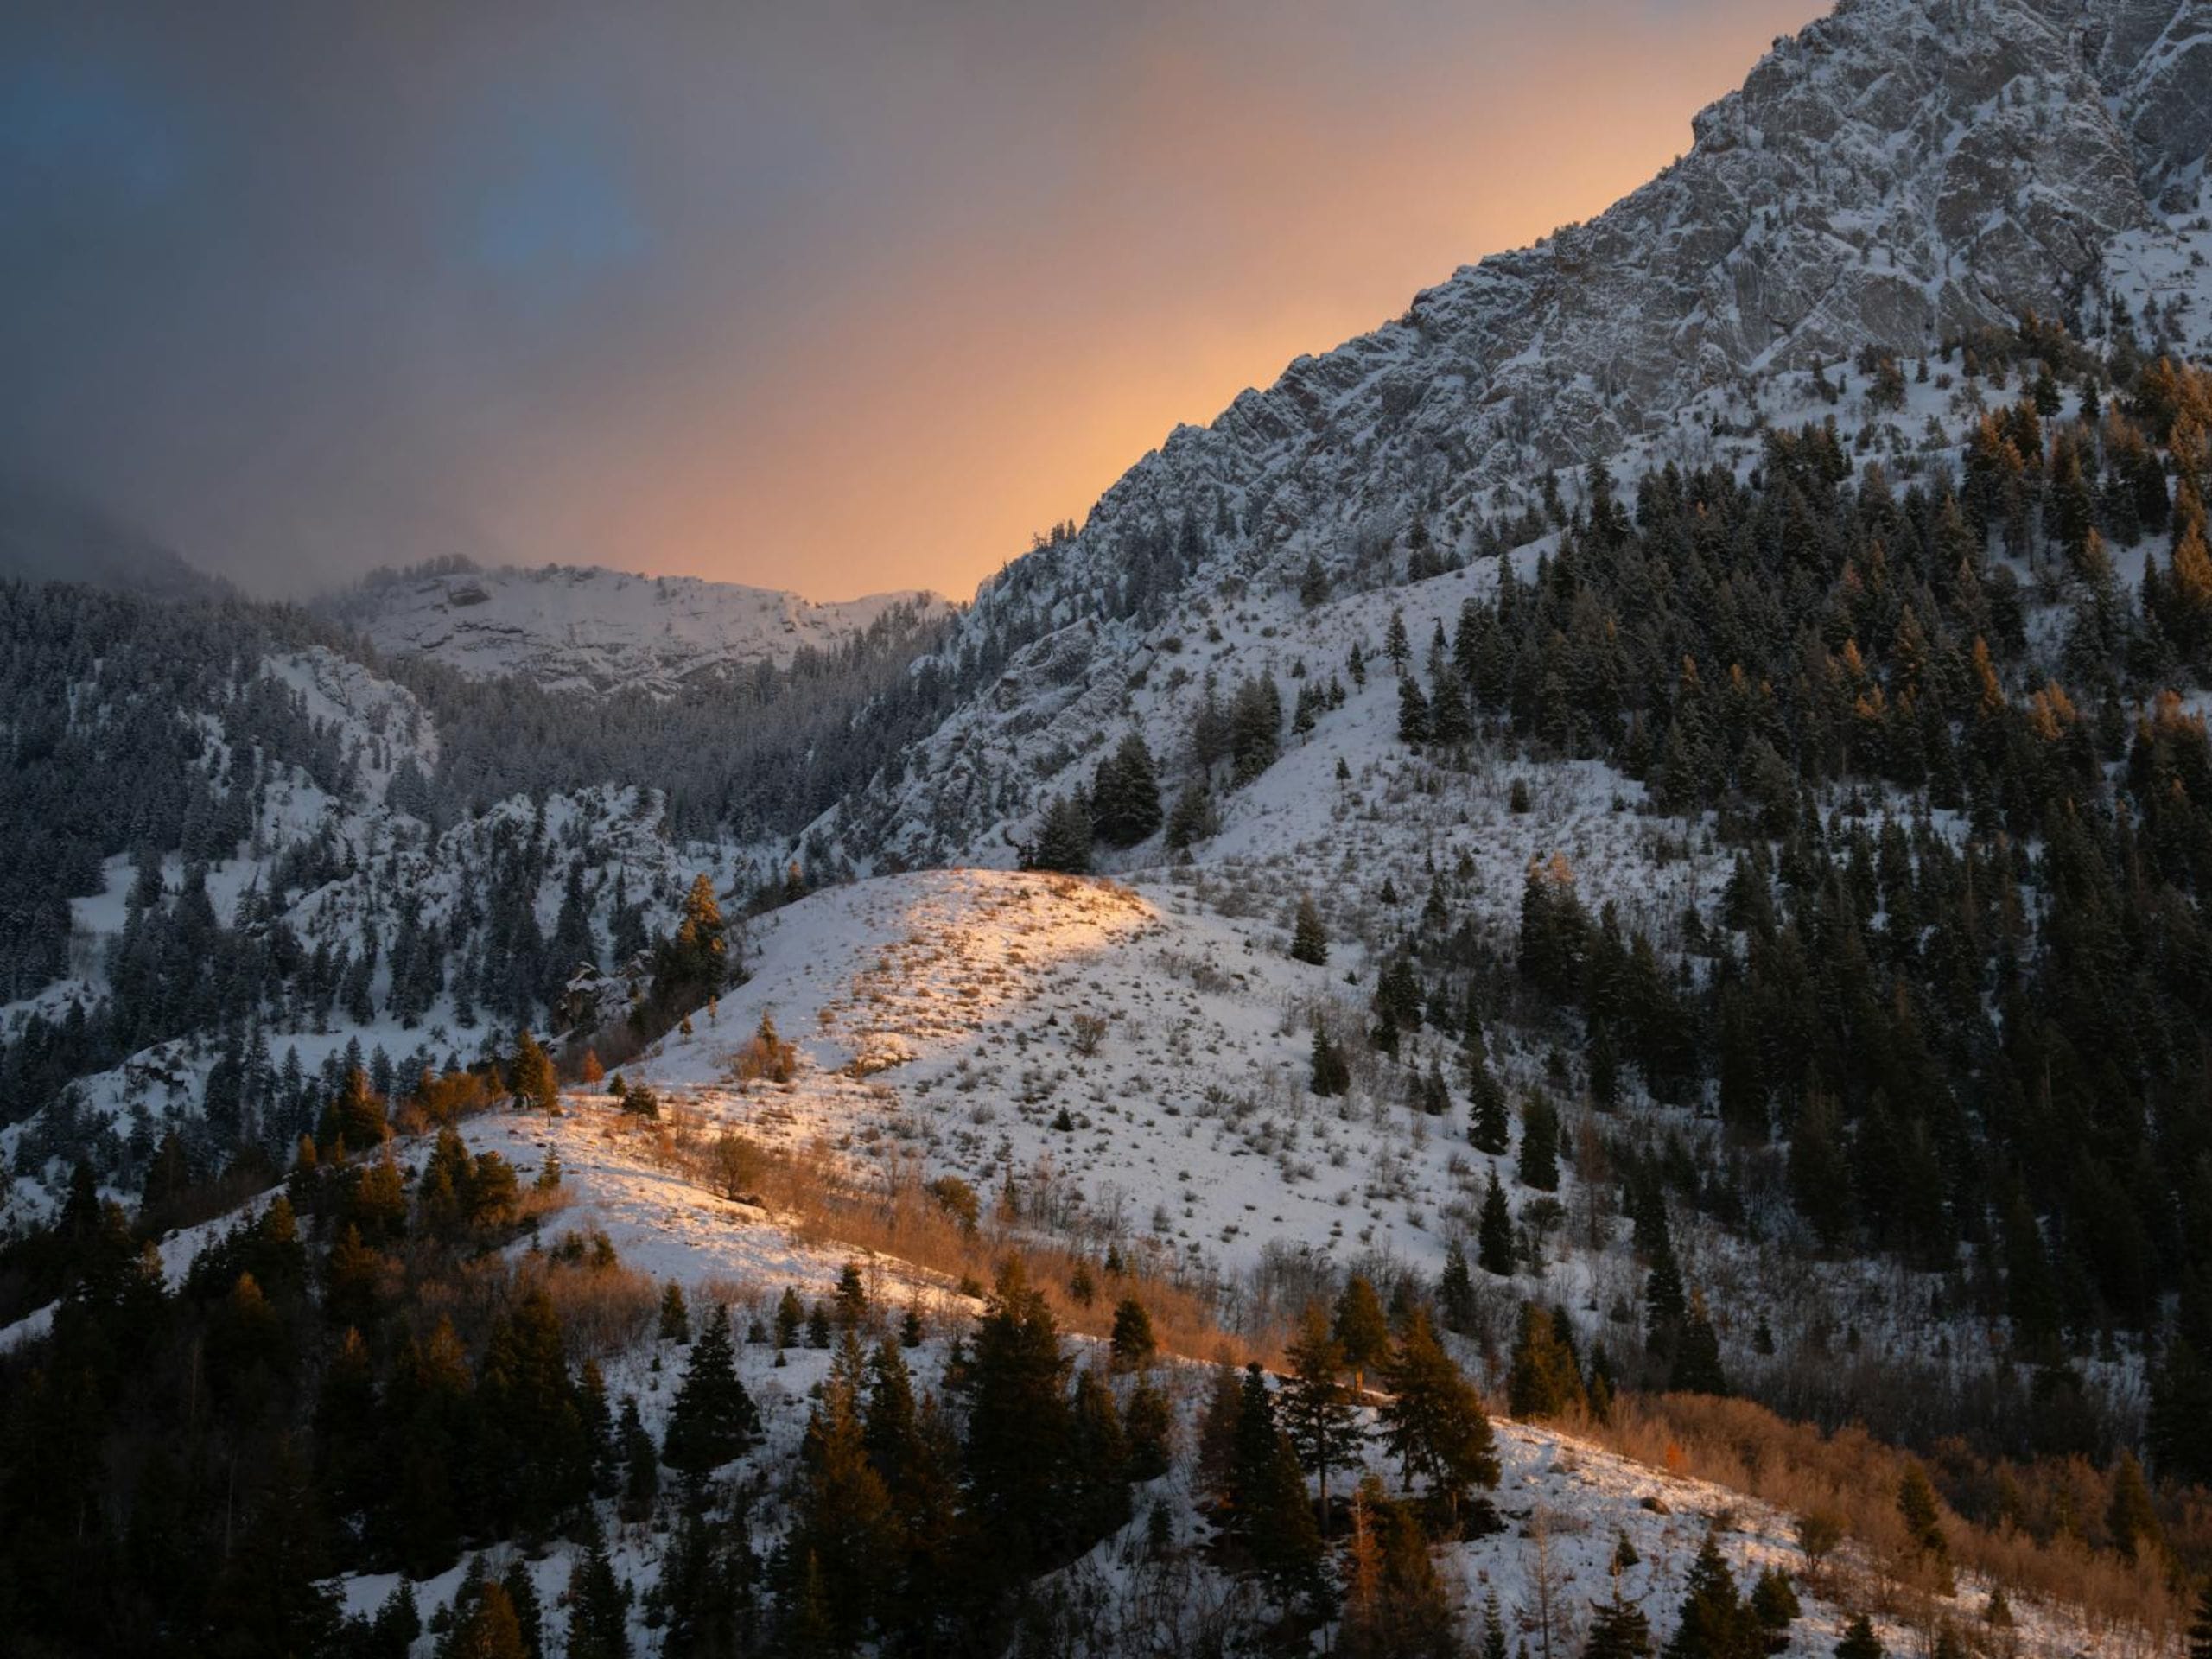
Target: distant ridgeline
point(205, 733)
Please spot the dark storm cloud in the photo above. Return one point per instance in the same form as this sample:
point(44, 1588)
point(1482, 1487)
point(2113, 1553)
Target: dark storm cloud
point(836, 296)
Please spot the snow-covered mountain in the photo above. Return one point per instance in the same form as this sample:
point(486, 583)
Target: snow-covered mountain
point(589, 628)
point(1131, 1070)
point(1899, 175)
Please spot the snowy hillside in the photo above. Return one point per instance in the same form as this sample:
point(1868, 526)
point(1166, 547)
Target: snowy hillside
point(572, 629)
point(1568, 1502)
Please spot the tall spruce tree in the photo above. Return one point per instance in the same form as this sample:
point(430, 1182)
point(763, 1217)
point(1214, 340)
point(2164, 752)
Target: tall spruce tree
point(1125, 795)
point(1494, 1231)
point(1360, 1328)
point(1433, 1423)
point(1544, 1379)
point(1316, 1406)
point(713, 1419)
point(1019, 1428)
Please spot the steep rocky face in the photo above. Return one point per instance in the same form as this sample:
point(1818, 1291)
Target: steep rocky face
point(1900, 173)
point(2153, 59)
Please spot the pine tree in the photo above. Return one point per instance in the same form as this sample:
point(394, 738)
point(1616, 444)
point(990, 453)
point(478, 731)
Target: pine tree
point(790, 1316)
point(1715, 1624)
point(842, 1527)
point(1394, 1606)
point(1696, 1368)
point(1494, 1232)
point(1134, 1344)
point(2132, 1520)
point(1413, 711)
point(1666, 1302)
point(536, 1089)
point(850, 1296)
point(1018, 1427)
point(527, 1415)
point(1923, 1524)
point(1455, 1290)
point(1538, 1162)
point(911, 1446)
point(702, 938)
point(1488, 1128)
point(1331, 1070)
point(1775, 1607)
point(360, 1112)
point(489, 1629)
point(1618, 1629)
point(1125, 795)
point(641, 1461)
point(1450, 722)
point(713, 1419)
point(1360, 1328)
point(1267, 1492)
point(530, 1613)
point(1193, 818)
point(1433, 1423)
point(1544, 1380)
point(270, 1595)
point(1150, 1424)
point(707, 1589)
point(598, 1428)
point(1309, 941)
point(1063, 838)
point(1859, 1641)
point(674, 1317)
point(1098, 1457)
point(1317, 1410)
point(1255, 728)
point(599, 1613)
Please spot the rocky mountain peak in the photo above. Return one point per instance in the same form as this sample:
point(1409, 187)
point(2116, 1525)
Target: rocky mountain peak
point(1899, 174)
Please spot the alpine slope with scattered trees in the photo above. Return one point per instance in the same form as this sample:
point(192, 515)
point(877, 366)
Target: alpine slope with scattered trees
point(1596, 1046)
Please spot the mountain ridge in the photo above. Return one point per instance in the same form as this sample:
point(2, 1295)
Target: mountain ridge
point(591, 627)
point(1899, 174)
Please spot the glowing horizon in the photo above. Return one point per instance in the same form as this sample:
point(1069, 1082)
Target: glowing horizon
point(839, 304)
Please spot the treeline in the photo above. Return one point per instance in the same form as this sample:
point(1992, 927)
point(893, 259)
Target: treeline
point(1963, 1003)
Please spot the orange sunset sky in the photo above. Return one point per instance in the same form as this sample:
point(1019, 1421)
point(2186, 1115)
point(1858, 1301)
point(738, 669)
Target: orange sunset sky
point(839, 302)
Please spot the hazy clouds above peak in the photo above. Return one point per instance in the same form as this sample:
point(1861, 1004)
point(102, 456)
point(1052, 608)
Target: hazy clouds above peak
point(840, 296)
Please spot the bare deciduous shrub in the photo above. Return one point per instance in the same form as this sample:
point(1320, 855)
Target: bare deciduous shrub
point(733, 1165)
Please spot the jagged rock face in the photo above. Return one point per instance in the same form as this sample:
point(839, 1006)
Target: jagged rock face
point(1901, 172)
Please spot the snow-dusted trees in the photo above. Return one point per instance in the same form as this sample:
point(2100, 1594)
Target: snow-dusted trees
point(1063, 841)
point(1125, 795)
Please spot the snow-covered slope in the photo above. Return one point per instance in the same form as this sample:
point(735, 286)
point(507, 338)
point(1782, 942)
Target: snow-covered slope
point(1900, 174)
point(572, 627)
point(1567, 1503)
point(941, 1020)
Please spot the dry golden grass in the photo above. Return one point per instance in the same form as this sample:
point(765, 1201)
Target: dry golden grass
point(2135, 1606)
point(815, 1196)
